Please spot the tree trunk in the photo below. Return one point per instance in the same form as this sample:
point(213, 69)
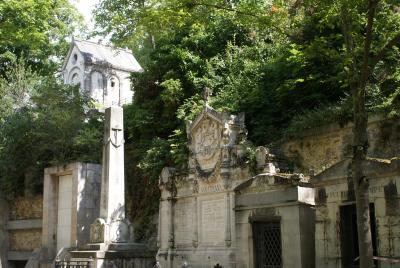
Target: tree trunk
point(360, 145)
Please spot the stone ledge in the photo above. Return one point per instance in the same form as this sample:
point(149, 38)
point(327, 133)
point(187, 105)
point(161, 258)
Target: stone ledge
point(18, 255)
point(113, 250)
point(24, 224)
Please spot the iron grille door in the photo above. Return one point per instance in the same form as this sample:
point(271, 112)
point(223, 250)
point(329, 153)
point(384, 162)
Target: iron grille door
point(267, 244)
point(74, 264)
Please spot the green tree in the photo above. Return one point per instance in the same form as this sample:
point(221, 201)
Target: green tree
point(289, 65)
point(364, 36)
point(185, 47)
point(36, 30)
point(370, 44)
point(44, 123)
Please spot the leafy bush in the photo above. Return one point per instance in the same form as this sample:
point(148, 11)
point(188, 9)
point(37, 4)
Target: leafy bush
point(45, 124)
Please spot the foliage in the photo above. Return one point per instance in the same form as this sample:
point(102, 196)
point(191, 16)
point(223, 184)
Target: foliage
point(36, 30)
point(44, 124)
point(283, 63)
point(311, 119)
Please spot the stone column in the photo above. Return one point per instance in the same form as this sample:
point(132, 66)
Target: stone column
point(171, 238)
point(159, 226)
point(112, 204)
point(195, 224)
point(228, 238)
point(112, 226)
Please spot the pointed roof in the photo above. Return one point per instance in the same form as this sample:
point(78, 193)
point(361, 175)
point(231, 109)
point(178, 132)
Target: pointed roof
point(116, 58)
point(208, 111)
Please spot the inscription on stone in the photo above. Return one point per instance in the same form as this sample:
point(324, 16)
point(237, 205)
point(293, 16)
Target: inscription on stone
point(344, 194)
point(213, 221)
point(183, 222)
point(215, 188)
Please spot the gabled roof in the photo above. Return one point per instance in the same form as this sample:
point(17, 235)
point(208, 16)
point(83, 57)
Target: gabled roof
point(105, 55)
point(207, 112)
point(372, 167)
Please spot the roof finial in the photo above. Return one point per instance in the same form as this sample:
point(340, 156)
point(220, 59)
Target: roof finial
point(207, 94)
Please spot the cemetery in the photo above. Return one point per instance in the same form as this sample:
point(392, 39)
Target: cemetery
point(198, 137)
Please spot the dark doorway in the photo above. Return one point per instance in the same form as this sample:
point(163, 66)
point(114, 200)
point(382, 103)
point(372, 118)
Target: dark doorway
point(349, 236)
point(17, 264)
point(267, 244)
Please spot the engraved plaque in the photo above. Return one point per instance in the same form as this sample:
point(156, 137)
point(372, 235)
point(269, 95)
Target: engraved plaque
point(183, 222)
point(213, 221)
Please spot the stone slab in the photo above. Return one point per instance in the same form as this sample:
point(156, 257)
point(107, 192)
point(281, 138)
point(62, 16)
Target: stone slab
point(24, 224)
point(267, 198)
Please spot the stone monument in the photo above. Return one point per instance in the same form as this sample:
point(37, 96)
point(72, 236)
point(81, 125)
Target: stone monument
point(111, 235)
point(112, 201)
point(222, 213)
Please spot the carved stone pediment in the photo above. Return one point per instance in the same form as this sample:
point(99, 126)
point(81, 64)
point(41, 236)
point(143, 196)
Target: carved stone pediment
point(215, 145)
point(206, 140)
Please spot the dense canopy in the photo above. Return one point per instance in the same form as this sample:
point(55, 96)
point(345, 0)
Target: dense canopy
point(289, 65)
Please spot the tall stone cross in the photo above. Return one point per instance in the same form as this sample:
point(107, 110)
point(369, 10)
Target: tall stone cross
point(112, 203)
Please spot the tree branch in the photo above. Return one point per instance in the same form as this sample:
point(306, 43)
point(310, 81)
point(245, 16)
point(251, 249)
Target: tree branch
point(349, 43)
point(366, 68)
point(382, 53)
point(230, 9)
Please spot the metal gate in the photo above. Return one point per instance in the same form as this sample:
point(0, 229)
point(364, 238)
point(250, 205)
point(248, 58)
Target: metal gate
point(74, 264)
point(267, 244)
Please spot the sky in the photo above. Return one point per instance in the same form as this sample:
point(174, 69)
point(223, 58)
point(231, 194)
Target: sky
point(86, 7)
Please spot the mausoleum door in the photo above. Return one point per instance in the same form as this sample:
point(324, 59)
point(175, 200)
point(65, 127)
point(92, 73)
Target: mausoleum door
point(267, 244)
point(349, 236)
point(64, 211)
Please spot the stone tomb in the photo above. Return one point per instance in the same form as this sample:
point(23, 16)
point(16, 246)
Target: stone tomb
point(336, 229)
point(71, 202)
point(208, 216)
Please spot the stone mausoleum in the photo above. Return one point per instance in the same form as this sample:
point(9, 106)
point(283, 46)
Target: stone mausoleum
point(220, 215)
point(101, 71)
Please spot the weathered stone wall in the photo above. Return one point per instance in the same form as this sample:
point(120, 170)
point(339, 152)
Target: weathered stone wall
point(25, 240)
point(23, 208)
point(21, 232)
point(318, 149)
point(328, 222)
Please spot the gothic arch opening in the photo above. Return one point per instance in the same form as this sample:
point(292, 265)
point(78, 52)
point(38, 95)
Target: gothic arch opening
point(97, 86)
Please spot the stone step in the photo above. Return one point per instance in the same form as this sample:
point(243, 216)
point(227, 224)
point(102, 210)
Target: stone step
point(91, 247)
